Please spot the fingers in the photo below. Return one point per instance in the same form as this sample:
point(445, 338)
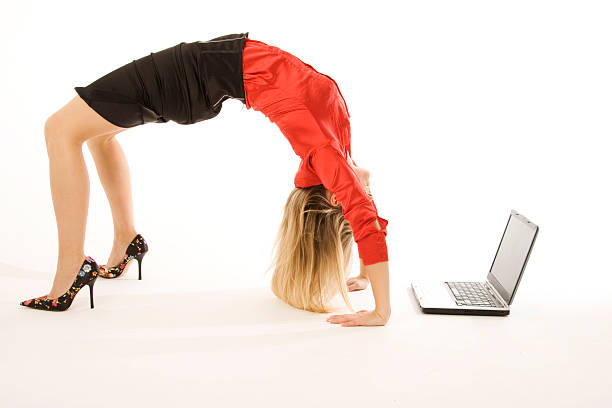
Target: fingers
point(354, 319)
point(339, 318)
point(352, 284)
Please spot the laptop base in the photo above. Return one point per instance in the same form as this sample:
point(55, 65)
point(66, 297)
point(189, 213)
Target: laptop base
point(435, 297)
point(431, 310)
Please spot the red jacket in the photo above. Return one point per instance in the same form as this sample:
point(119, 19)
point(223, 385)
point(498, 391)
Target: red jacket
point(311, 112)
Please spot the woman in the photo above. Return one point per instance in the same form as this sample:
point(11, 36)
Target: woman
point(330, 207)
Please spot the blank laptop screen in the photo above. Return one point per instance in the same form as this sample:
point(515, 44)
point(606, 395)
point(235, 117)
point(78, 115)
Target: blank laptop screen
point(512, 254)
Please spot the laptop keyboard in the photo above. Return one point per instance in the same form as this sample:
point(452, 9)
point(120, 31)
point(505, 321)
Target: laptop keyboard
point(472, 294)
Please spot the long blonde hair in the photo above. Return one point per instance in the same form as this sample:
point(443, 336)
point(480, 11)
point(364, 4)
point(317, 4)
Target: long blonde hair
point(313, 251)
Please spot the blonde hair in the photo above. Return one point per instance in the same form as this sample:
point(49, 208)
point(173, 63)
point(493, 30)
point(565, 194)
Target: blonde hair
point(313, 252)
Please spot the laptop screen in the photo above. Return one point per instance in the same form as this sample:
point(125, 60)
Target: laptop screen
point(512, 255)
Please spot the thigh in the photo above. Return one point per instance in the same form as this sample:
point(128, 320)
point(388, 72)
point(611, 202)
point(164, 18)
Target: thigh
point(102, 140)
point(78, 121)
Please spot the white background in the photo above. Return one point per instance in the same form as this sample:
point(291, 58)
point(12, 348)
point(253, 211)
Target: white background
point(461, 110)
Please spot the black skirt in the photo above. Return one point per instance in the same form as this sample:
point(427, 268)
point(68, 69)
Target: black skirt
point(185, 83)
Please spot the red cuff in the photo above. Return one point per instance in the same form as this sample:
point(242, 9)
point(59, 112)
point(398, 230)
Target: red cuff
point(373, 248)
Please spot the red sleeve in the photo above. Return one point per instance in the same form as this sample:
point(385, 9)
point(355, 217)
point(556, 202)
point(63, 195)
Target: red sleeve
point(337, 176)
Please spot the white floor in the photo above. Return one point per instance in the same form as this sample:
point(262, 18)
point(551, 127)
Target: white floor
point(143, 345)
point(488, 106)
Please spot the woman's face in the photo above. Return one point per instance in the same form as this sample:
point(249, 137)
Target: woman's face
point(364, 178)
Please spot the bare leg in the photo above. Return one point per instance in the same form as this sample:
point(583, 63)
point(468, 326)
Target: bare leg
point(65, 132)
point(114, 174)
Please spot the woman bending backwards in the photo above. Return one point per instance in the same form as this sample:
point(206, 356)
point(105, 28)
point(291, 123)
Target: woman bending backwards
point(330, 206)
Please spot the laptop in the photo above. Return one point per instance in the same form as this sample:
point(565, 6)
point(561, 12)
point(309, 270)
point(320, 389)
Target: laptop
point(493, 296)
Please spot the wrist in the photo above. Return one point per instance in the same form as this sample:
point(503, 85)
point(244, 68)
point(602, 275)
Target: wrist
point(383, 312)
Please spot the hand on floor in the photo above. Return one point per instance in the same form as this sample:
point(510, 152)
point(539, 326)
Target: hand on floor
point(361, 318)
point(357, 283)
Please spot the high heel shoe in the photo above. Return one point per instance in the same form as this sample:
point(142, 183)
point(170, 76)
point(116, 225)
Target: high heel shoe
point(135, 250)
point(87, 276)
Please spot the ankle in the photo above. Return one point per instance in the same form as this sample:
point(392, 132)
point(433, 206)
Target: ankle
point(124, 236)
point(70, 259)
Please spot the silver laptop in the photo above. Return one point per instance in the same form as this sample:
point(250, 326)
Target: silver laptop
point(493, 296)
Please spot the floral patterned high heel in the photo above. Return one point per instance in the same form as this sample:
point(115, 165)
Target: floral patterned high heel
point(87, 276)
point(135, 250)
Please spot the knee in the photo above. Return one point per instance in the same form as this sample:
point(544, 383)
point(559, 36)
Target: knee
point(58, 130)
point(52, 128)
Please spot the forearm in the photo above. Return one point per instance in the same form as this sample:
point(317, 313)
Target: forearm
point(362, 271)
point(378, 274)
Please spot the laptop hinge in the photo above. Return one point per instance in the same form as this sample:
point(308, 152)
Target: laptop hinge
point(496, 294)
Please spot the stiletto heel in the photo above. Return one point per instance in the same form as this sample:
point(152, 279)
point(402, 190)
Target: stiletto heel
point(139, 259)
point(91, 284)
point(87, 275)
point(137, 249)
